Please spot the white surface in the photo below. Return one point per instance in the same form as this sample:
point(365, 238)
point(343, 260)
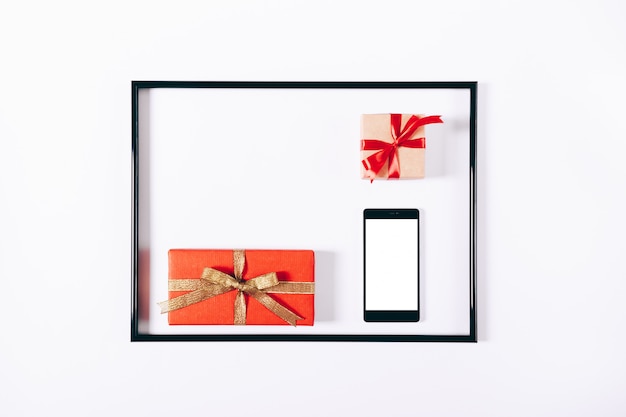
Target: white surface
point(551, 206)
point(280, 169)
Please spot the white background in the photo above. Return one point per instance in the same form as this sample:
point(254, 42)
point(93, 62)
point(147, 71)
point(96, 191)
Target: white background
point(552, 143)
point(280, 169)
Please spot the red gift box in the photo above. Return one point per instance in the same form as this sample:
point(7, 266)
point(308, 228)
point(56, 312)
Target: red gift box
point(393, 145)
point(253, 287)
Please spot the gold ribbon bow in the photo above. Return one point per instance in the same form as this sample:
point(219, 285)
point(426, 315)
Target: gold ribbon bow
point(214, 282)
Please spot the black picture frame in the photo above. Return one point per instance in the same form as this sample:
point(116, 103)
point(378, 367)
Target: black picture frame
point(140, 336)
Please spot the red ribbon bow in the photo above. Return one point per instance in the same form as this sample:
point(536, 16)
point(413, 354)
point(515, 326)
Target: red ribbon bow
point(388, 152)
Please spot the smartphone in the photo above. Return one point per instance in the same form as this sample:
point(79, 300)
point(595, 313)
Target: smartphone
point(391, 265)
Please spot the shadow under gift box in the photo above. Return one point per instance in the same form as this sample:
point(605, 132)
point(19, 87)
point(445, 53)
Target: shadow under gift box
point(289, 265)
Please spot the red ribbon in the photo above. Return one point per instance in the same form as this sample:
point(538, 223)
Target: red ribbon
point(388, 152)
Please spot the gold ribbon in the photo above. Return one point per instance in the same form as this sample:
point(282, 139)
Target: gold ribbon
point(214, 282)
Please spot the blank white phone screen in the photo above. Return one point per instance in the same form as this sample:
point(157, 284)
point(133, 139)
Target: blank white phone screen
point(391, 264)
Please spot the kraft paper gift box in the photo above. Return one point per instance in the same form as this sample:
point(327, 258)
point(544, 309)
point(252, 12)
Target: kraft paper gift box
point(393, 145)
point(252, 287)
